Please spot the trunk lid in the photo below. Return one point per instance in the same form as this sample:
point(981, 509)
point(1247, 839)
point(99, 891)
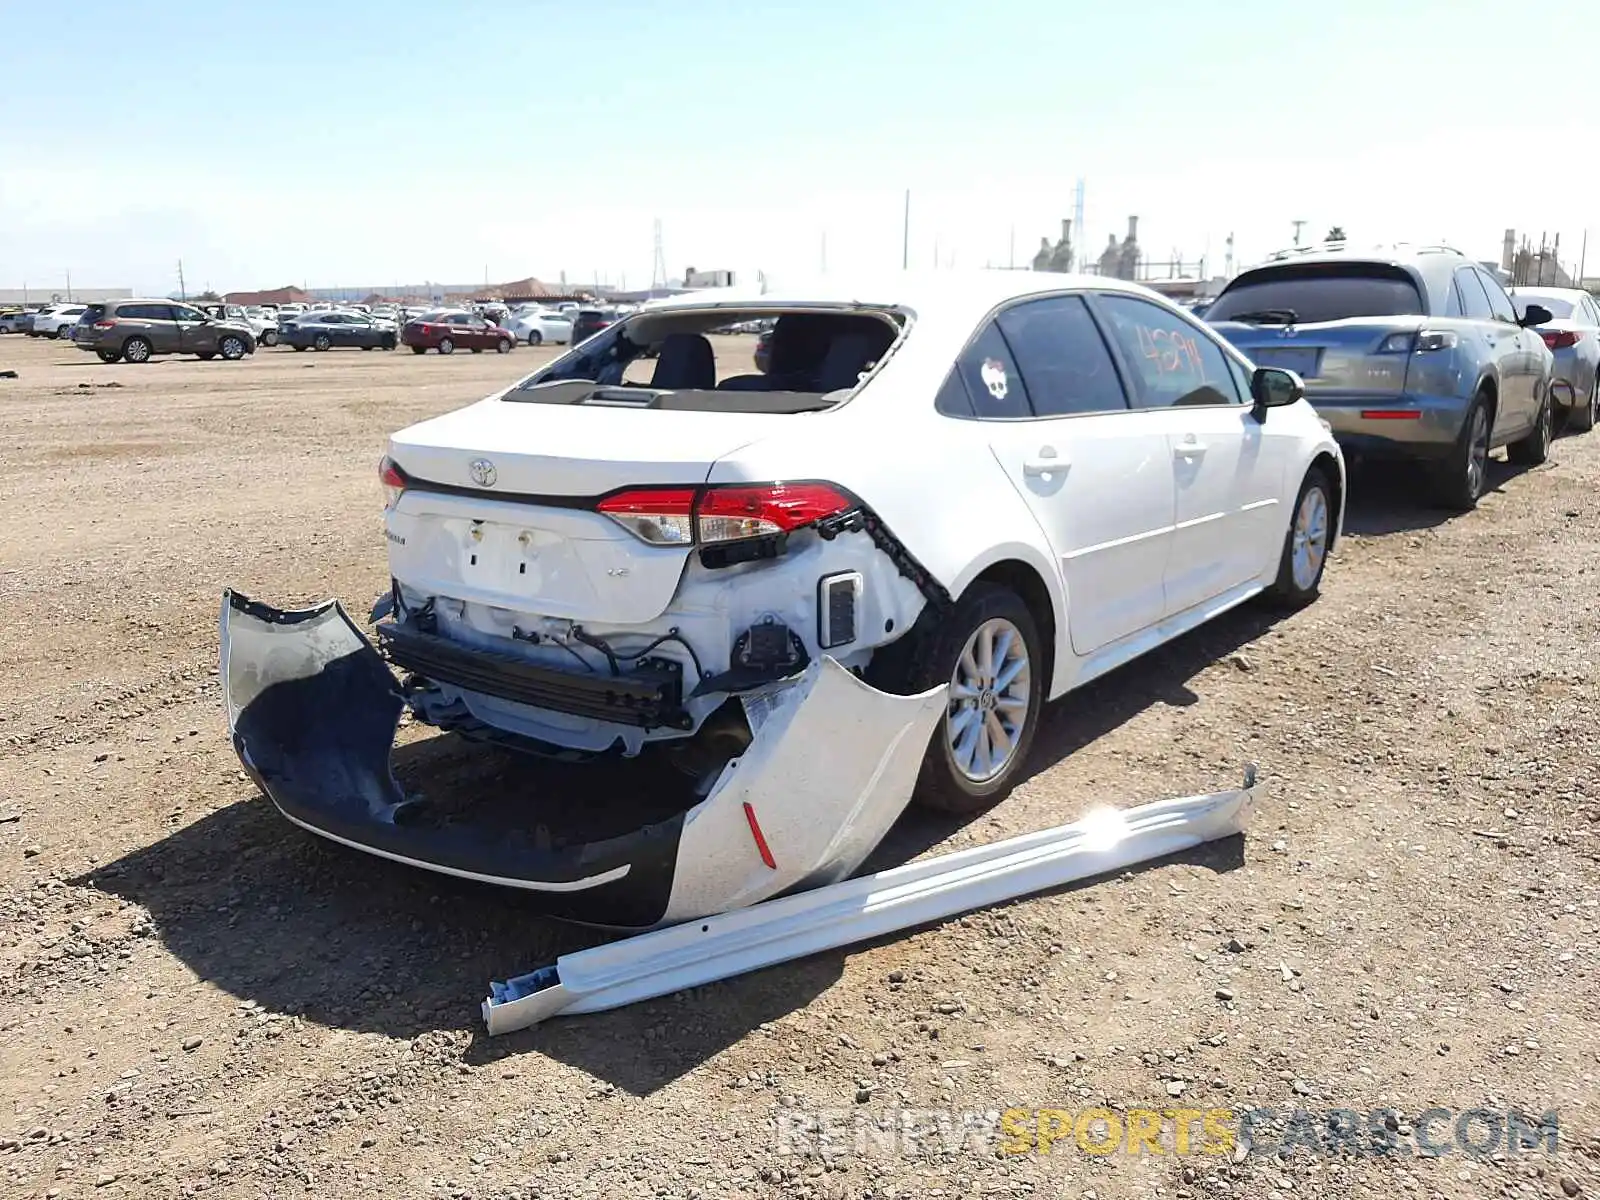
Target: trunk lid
point(530, 540)
point(1343, 358)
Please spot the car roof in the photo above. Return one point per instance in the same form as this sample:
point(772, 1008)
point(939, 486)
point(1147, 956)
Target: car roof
point(955, 292)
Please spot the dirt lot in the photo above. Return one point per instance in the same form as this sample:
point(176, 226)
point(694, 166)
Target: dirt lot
point(195, 996)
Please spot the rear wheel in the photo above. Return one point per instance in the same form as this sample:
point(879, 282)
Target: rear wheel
point(419, 349)
point(231, 348)
point(322, 342)
point(269, 337)
point(1535, 448)
point(1305, 546)
point(987, 649)
point(503, 346)
point(63, 332)
point(446, 346)
point(109, 356)
point(299, 347)
point(534, 337)
point(136, 350)
point(1462, 476)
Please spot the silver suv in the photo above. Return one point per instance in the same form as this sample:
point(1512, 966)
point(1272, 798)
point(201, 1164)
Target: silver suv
point(1410, 353)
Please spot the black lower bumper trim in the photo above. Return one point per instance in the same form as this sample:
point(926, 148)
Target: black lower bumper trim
point(649, 694)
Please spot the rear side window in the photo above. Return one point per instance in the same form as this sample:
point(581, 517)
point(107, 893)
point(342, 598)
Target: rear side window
point(991, 378)
point(1173, 363)
point(1304, 293)
point(1059, 351)
point(94, 312)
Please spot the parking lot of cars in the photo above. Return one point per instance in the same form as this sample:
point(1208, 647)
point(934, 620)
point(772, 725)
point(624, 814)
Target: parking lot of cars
point(1424, 729)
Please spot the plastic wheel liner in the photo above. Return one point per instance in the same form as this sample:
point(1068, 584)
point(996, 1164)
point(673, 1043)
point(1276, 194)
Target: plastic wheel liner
point(313, 709)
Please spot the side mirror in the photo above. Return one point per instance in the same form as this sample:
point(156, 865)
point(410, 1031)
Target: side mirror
point(1535, 314)
point(1273, 387)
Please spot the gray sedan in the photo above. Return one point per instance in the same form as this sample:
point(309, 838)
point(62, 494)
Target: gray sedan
point(1573, 335)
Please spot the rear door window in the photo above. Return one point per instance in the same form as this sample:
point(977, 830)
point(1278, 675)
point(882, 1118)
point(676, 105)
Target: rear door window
point(1060, 353)
point(1305, 293)
point(1173, 363)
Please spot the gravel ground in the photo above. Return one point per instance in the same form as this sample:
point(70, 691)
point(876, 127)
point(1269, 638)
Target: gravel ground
point(196, 997)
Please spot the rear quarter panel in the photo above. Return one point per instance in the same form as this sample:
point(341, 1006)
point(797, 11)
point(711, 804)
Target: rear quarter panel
point(932, 480)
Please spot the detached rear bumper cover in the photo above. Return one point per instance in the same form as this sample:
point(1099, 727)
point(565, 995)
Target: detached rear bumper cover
point(313, 708)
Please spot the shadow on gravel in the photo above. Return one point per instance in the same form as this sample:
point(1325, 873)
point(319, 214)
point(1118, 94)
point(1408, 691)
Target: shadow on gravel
point(276, 915)
point(1395, 500)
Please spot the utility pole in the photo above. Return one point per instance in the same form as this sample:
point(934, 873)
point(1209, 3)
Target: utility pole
point(905, 234)
point(1298, 226)
point(824, 251)
point(1583, 259)
point(1011, 256)
point(182, 294)
point(69, 283)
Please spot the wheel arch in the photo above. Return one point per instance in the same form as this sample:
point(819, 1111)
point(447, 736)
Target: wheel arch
point(1019, 569)
point(1334, 470)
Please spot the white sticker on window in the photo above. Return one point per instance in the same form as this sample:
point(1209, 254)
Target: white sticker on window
point(993, 372)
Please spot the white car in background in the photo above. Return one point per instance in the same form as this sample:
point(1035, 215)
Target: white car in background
point(57, 320)
point(538, 325)
point(947, 501)
point(263, 323)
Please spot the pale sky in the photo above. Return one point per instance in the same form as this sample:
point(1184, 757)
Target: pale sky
point(367, 143)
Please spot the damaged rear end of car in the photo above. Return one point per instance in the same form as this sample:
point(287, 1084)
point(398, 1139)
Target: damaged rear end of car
point(580, 568)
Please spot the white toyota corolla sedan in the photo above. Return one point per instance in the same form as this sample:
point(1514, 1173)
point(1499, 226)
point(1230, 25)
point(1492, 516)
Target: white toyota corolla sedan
point(945, 502)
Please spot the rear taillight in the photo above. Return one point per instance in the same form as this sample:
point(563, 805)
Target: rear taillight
point(683, 516)
point(108, 323)
point(393, 480)
point(660, 516)
point(1559, 339)
point(1421, 343)
point(726, 514)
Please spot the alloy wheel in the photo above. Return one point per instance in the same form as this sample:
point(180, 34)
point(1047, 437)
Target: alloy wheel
point(989, 697)
point(1310, 540)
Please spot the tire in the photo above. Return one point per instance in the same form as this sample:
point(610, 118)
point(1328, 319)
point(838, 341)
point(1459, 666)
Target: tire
point(1583, 418)
point(387, 343)
point(1461, 478)
point(419, 349)
point(534, 337)
point(136, 350)
point(1305, 543)
point(62, 333)
point(1534, 449)
point(298, 347)
point(503, 346)
point(269, 337)
point(929, 656)
point(322, 342)
point(206, 356)
point(232, 348)
point(109, 356)
point(446, 346)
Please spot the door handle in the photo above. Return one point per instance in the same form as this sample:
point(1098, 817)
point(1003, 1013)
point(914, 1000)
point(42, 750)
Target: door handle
point(1046, 462)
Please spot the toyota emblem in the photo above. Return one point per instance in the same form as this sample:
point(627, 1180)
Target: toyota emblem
point(483, 472)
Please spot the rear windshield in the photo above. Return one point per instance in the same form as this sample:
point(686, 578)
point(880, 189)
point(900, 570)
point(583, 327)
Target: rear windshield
point(1560, 307)
point(1301, 293)
point(692, 360)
